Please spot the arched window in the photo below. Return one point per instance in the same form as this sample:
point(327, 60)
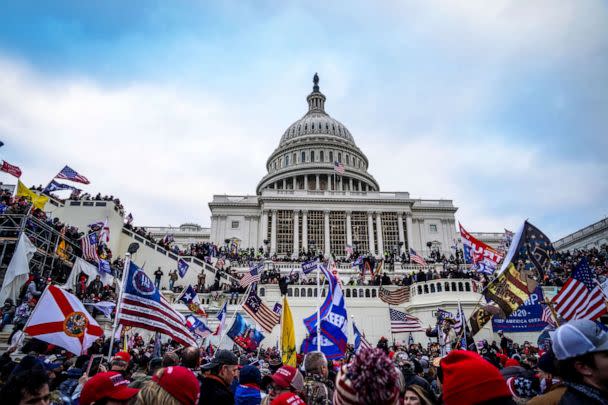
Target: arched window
point(303, 157)
point(313, 126)
point(438, 287)
point(348, 293)
point(347, 160)
point(374, 293)
point(426, 289)
point(340, 157)
point(447, 286)
point(419, 290)
point(289, 292)
point(460, 288)
point(467, 287)
point(310, 292)
point(331, 156)
point(297, 292)
point(286, 160)
point(321, 156)
point(262, 291)
point(367, 294)
point(312, 155)
point(432, 288)
point(454, 286)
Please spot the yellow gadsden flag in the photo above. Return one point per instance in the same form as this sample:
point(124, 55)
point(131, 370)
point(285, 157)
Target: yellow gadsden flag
point(38, 201)
point(288, 336)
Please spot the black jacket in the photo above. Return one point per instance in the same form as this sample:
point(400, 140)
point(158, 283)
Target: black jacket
point(215, 392)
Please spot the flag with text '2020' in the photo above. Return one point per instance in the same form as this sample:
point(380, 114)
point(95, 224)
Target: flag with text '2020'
point(61, 319)
point(334, 323)
point(482, 257)
point(144, 307)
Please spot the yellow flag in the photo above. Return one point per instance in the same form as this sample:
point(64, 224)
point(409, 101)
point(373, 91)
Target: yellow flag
point(62, 251)
point(39, 201)
point(288, 336)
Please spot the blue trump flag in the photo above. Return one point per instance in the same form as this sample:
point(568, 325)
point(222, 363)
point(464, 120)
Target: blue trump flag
point(527, 318)
point(333, 326)
point(182, 267)
point(245, 335)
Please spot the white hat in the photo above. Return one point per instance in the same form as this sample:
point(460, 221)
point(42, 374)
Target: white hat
point(577, 338)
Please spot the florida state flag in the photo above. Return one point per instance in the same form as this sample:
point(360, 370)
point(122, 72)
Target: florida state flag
point(60, 319)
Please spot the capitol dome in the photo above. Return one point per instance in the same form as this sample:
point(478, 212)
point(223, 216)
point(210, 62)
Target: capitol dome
point(309, 151)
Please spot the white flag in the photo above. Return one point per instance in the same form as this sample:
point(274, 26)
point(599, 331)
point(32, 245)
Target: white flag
point(18, 269)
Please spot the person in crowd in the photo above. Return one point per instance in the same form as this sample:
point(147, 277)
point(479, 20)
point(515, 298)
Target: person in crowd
point(215, 388)
point(158, 274)
point(416, 395)
point(370, 378)
point(8, 312)
point(172, 279)
point(173, 385)
point(107, 388)
point(30, 386)
point(191, 358)
point(318, 390)
point(95, 287)
point(551, 384)
point(170, 359)
point(120, 362)
point(17, 337)
point(23, 311)
point(287, 383)
point(248, 391)
point(581, 348)
point(152, 367)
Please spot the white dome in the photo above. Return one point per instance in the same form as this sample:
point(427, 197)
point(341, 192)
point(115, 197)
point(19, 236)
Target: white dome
point(316, 123)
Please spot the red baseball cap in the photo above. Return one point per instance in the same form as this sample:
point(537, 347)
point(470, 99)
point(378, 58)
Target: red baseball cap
point(109, 385)
point(124, 356)
point(181, 383)
point(287, 376)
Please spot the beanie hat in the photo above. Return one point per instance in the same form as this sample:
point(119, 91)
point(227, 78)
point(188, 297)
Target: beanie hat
point(180, 382)
point(370, 378)
point(546, 363)
point(250, 375)
point(512, 363)
point(469, 379)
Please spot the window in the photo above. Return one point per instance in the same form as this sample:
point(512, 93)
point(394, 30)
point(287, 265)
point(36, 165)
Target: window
point(303, 157)
point(340, 157)
point(235, 224)
point(347, 160)
point(312, 155)
point(286, 160)
point(322, 156)
point(433, 228)
point(331, 156)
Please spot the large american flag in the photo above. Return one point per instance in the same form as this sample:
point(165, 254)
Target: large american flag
point(264, 316)
point(581, 297)
point(417, 258)
point(144, 307)
point(89, 247)
point(68, 173)
point(547, 316)
point(402, 322)
point(339, 167)
point(252, 276)
point(395, 297)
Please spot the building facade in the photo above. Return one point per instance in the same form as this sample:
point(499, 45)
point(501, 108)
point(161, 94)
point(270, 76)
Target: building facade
point(183, 235)
point(592, 236)
point(318, 196)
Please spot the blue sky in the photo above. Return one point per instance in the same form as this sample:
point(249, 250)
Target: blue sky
point(500, 106)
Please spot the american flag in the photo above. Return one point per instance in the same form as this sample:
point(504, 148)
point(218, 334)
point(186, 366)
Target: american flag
point(415, 257)
point(264, 316)
point(547, 316)
point(395, 297)
point(360, 341)
point(129, 218)
point(339, 167)
point(144, 307)
point(252, 276)
point(68, 173)
point(402, 322)
point(89, 247)
point(581, 297)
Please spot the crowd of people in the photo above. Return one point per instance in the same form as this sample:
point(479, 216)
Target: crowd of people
point(572, 370)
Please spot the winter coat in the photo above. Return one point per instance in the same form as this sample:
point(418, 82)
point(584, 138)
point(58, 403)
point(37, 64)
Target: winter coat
point(215, 392)
point(247, 395)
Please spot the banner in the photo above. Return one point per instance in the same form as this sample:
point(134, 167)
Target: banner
point(244, 334)
point(527, 318)
point(484, 258)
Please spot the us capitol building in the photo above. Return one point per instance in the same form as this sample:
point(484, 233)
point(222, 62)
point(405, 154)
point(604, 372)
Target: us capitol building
point(303, 204)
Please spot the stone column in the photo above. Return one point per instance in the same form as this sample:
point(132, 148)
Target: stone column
point(350, 184)
point(330, 185)
point(273, 232)
point(284, 184)
point(305, 182)
point(370, 233)
point(305, 230)
point(296, 233)
point(340, 188)
point(295, 182)
point(408, 230)
point(349, 230)
point(379, 234)
point(318, 185)
point(264, 226)
point(327, 244)
point(400, 229)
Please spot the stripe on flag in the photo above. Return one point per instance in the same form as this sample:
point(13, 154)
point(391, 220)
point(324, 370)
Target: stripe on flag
point(263, 315)
point(417, 258)
point(395, 297)
point(89, 247)
point(402, 322)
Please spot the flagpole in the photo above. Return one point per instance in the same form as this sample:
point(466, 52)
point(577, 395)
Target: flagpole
point(119, 301)
point(239, 305)
point(318, 309)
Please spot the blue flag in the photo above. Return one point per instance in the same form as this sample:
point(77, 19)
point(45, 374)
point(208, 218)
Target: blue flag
point(188, 296)
point(333, 326)
point(197, 326)
point(55, 186)
point(182, 267)
point(245, 335)
point(309, 266)
point(104, 267)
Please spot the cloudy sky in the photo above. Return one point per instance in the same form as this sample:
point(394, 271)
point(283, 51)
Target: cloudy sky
point(500, 106)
